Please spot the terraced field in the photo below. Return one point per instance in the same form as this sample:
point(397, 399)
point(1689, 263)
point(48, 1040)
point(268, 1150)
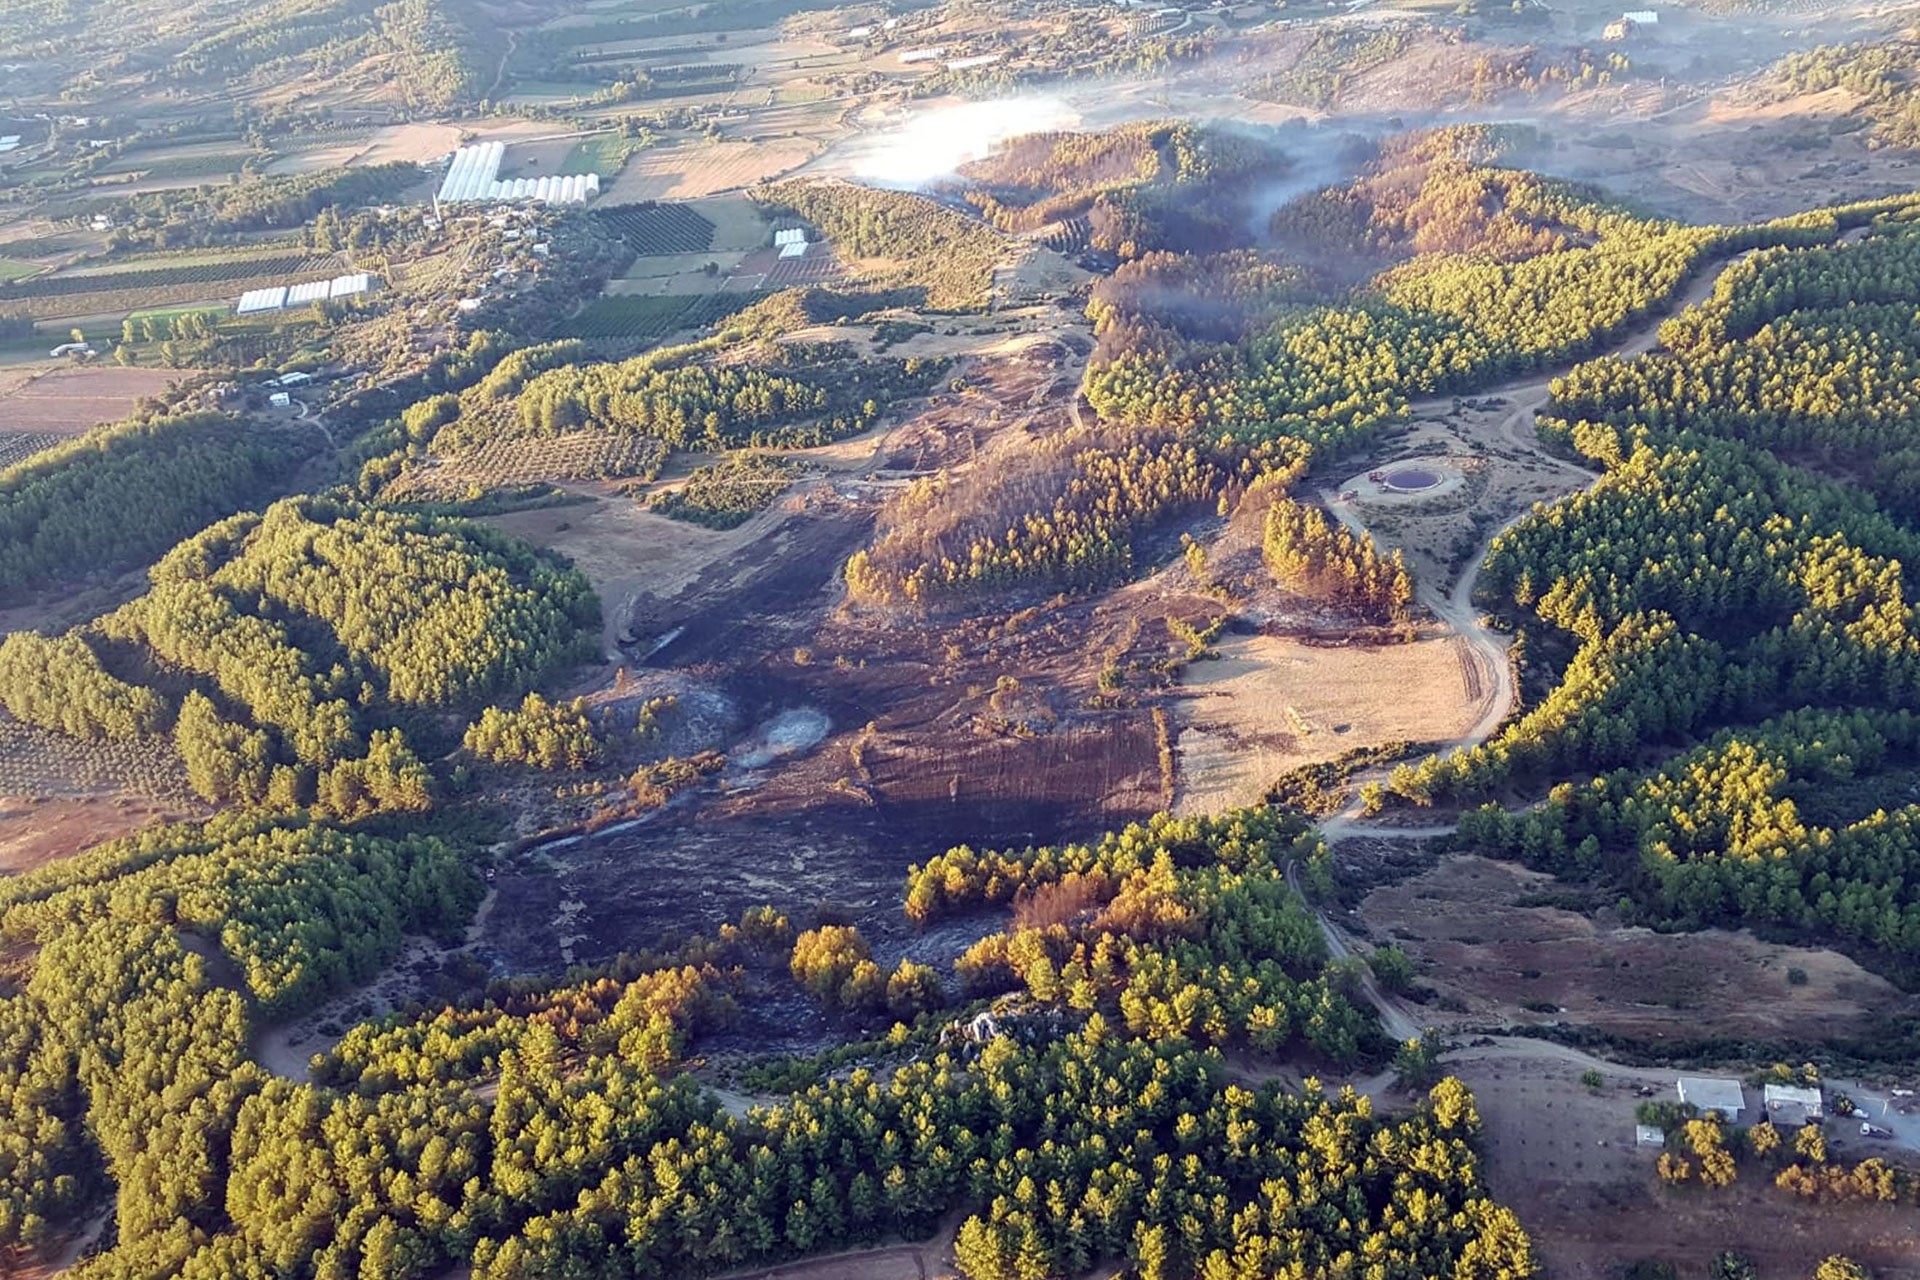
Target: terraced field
point(579, 455)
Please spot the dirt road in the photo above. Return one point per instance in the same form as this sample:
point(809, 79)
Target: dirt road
point(1484, 651)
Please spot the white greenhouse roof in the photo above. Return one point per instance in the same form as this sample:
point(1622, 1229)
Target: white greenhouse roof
point(474, 174)
point(300, 295)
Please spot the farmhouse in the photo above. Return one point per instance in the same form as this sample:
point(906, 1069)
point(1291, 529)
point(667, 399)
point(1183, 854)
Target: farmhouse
point(1789, 1104)
point(280, 400)
point(1711, 1094)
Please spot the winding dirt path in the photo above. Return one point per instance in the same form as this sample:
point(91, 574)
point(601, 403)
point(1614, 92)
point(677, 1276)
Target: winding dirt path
point(1489, 675)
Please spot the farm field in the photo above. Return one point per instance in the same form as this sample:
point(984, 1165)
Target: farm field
point(116, 292)
point(687, 170)
point(652, 229)
point(18, 446)
point(651, 316)
point(63, 400)
point(38, 763)
point(578, 455)
point(217, 270)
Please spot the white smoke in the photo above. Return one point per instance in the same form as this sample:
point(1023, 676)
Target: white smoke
point(933, 144)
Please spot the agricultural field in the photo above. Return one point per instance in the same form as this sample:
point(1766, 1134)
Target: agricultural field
point(605, 155)
point(12, 269)
point(39, 763)
point(728, 493)
point(651, 228)
point(115, 290)
point(212, 271)
point(62, 400)
point(579, 455)
point(690, 168)
point(648, 318)
point(18, 446)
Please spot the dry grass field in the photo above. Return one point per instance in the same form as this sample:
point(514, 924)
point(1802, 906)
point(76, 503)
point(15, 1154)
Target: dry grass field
point(1270, 703)
point(1469, 926)
point(690, 169)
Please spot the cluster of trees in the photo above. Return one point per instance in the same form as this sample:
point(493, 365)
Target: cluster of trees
point(929, 245)
point(59, 684)
point(1141, 187)
point(205, 215)
point(1175, 928)
point(1717, 835)
point(543, 734)
point(1881, 71)
point(1163, 301)
point(121, 494)
point(1308, 554)
point(310, 625)
point(728, 493)
point(835, 964)
point(814, 397)
point(1063, 512)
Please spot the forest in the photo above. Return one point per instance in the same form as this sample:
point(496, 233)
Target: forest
point(1279, 369)
point(1104, 1131)
point(119, 495)
point(297, 643)
point(1732, 602)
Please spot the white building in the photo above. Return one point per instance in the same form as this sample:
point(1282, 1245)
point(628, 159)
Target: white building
point(280, 400)
point(924, 55)
point(1642, 17)
point(1711, 1094)
point(1789, 1104)
point(1649, 1135)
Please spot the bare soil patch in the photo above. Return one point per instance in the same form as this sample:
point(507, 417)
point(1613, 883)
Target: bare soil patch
point(68, 401)
point(692, 169)
point(36, 831)
point(1271, 703)
point(1470, 929)
point(1562, 1156)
